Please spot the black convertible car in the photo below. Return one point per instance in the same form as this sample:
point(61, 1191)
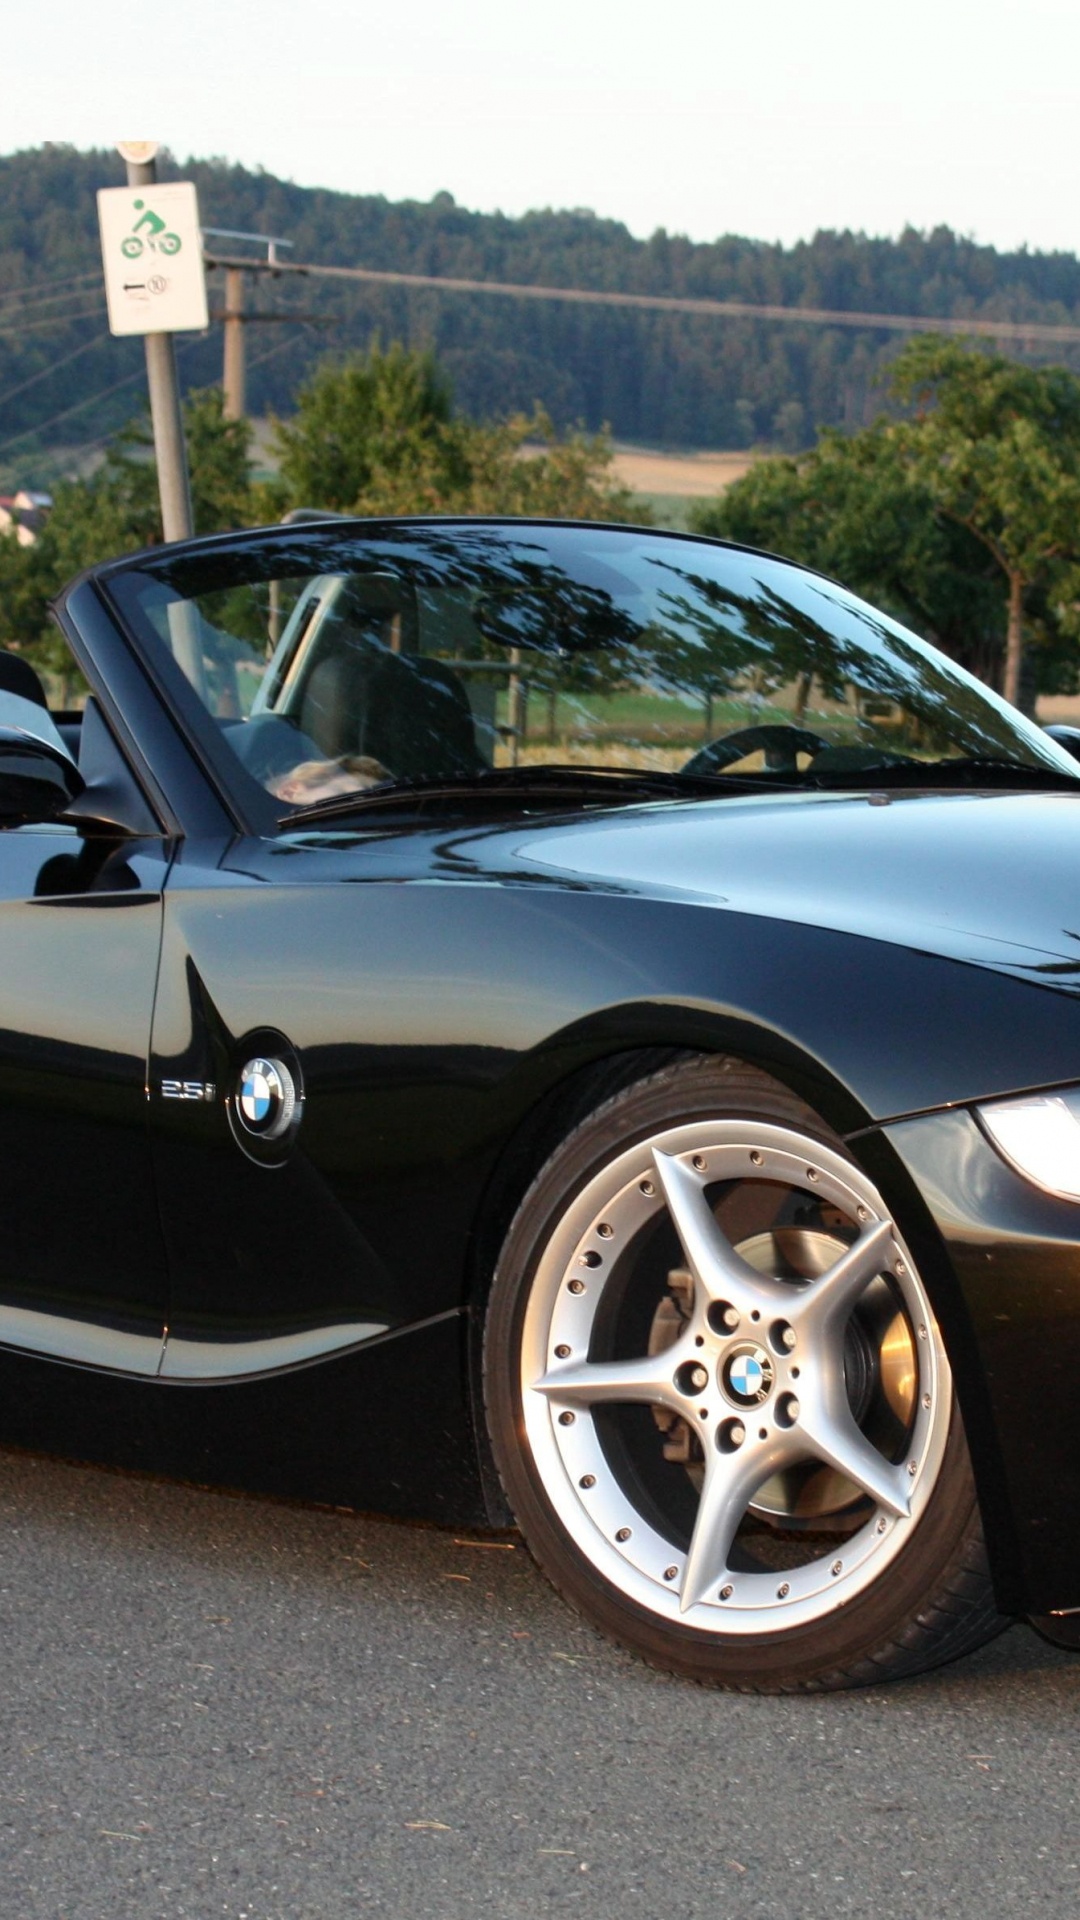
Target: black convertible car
point(559, 1024)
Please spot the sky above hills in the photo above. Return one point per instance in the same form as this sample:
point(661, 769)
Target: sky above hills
point(702, 116)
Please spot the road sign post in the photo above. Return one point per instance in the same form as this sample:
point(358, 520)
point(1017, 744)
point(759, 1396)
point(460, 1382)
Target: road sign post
point(155, 285)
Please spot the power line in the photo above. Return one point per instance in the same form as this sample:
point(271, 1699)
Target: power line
point(280, 347)
point(57, 320)
point(1019, 330)
point(88, 400)
point(53, 367)
point(38, 292)
point(13, 316)
point(86, 445)
point(99, 440)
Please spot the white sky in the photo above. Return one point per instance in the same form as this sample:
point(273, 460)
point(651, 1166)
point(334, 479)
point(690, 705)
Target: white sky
point(770, 119)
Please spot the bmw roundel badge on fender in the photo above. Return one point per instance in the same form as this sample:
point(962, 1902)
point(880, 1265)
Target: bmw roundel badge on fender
point(265, 1103)
point(266, 1100)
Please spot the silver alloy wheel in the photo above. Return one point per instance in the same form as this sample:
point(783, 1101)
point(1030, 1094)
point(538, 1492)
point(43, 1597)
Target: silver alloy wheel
point(760, 1368)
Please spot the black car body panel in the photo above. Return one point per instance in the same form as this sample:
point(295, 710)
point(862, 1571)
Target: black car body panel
point(451, 988)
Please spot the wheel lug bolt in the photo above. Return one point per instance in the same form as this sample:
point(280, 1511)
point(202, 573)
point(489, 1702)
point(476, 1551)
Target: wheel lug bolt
point(788, 1338)
point(730, 1318)
point(691, 1377)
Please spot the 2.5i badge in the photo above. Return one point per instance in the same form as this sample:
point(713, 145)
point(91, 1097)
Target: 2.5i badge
point(188, 1090)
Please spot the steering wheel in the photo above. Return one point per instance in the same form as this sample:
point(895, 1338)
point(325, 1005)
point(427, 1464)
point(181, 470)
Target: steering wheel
point(779, 742)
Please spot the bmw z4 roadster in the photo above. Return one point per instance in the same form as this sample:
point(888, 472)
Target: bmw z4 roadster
point(564, 1026)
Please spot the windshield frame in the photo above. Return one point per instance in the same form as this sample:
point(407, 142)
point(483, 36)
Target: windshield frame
point(324, 547)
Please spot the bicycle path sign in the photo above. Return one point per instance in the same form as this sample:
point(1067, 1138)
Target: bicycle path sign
point(155, 281)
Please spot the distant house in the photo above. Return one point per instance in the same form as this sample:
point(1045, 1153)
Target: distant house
point(24, 514)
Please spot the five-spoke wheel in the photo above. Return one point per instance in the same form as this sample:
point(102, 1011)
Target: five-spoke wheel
point(720, 1401)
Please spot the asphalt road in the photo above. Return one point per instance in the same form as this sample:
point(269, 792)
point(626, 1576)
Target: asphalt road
point(217, 1706)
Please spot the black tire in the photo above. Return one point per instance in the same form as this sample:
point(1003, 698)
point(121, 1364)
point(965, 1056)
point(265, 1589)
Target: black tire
point(712, 1381)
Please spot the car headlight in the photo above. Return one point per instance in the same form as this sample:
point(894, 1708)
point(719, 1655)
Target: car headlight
point(1039, 1135)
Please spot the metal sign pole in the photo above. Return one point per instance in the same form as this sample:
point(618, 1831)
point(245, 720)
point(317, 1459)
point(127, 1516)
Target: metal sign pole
point(174, 487)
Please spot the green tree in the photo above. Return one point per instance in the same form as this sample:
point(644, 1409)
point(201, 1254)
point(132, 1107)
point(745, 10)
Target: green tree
point(116, 510)
point(852, 509)
point(997, 448)
point(524, 465)
point(377, 424)
point(964, 520)
point(377, 435)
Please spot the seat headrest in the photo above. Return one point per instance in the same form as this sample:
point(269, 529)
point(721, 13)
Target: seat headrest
point(18, 676)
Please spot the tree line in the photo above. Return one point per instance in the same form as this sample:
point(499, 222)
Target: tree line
point(959, 511)
point(663, 379)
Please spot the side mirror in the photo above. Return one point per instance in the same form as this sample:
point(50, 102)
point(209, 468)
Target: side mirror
point(37, 780)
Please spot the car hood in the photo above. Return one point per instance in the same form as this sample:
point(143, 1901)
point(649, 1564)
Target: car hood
point(987, 877)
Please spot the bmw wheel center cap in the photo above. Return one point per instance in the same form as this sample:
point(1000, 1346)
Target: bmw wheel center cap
point(747, 1376)
point(265, 1098)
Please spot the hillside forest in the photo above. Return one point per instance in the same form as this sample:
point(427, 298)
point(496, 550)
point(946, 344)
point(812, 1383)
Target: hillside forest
point(659, 379)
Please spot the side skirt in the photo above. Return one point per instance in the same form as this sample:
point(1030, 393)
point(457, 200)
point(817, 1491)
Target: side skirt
point(384, 1427)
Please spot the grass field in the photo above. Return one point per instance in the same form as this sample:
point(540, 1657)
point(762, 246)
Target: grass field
point(671, 482)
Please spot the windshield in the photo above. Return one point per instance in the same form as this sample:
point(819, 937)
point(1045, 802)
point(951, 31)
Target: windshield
point(336, 663)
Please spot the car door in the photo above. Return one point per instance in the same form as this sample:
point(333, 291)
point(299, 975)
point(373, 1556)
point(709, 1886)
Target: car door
point(82, 1272)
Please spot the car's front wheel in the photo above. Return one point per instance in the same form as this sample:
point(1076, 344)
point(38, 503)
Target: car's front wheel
point(719, 1400)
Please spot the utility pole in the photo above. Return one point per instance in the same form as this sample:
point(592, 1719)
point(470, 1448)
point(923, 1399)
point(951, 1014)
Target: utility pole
point(236, 317)
point(174, 486)
point(234, 382)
